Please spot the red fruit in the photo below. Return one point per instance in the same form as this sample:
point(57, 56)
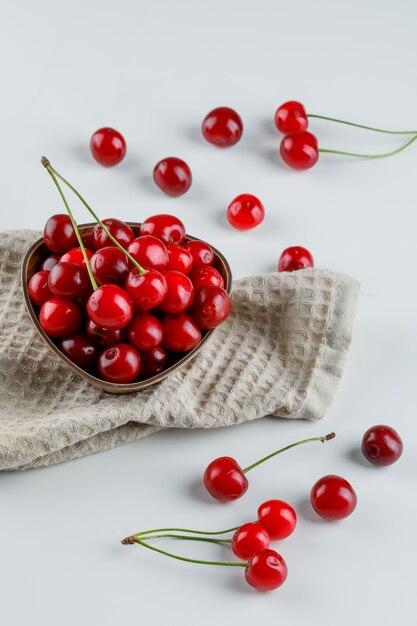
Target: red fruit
point(110, 265)
point(166, 227)
point(145, 332)
point(299, 150)
point(291, 117)
point(179, 259)
point(118, 229)
point(48, 263)
point(58, 234)
point(153, 362)
point(295, 258)
point(110, 306)
point(146, 290)
point(38, 289)
point(104, 336)
point(225, 480)
point(222, 127)
point(59, 317)
point(88, 240)
point(173, 176)
point(382, 445)
point(181, 333)
point(203, 275)
point(108, 146)
point(119, 364)
point(75, 256)
point(250, 538)
point(149, 251)
point(211, 306)
point(333, 498)
point(266, 570)
point(80, 350)
point(69, 281)
point(245, 212)
point(278, 517)
point(180, 292)
point(201, 252)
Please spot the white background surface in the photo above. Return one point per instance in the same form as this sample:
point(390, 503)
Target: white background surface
point(153, 69)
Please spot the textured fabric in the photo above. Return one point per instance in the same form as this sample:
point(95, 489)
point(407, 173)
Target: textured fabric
point(281, 353)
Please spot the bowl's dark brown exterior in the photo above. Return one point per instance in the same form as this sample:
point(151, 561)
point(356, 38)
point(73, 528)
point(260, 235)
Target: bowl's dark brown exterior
point(38, 251)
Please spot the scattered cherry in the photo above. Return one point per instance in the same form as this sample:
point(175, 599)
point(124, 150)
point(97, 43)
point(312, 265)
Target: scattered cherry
point(75, 255)
point(295, 258)
point(291, 117)
point(59, 317)
point(69, 281)
point(245, 212)
point(145, 332)
point(211, 306)
point(333, 498)
point(201, 252)
point(48, 263)
point(173, 176)
point(149, 251)
point(59, 234)
point(117, 228)
point(110, 265)
point(38, 288)
point(105, 336)
point(299, 150)
point(224, 479)
point(181, 333)
point(266, 570)
point(119, 364)
point(146, 290)
point(203, 275)
point(249, 539)
point(108, 146)
point(166, 227)
point(180, 292)
point(80, 350)
point(179, 259)
point(278, 517)
point(110, 306)
point(222, 127)
point(382, 445)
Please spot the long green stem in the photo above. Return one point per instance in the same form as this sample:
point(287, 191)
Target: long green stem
point(50, 171)
point(370, 156)
point(186, 530)
point(292, 445)
point(183, 558)
point(187, 537)
point(377, 130)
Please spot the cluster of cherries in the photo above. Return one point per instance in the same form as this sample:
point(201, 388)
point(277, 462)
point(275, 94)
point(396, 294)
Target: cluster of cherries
point(332, 497)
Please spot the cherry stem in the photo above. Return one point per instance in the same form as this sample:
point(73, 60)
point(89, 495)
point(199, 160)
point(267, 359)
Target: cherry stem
point(186, 530)
point(51, 172)
point(292, 445)
point(187, 537)
point(370, 156)
point(377, 130)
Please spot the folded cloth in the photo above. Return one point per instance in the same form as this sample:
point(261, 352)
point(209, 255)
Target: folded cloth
point(281, 352)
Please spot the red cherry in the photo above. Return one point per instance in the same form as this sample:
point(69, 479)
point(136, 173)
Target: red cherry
point(180, 292)
point(266, 570)
point(118, 229)
point(149, 251)
point(104, 336)
point(299, 150)
point(75, 256)
point(278, 517)
point(245, 212)
point(110, 265)
point(69, 281)
point(145, 332)
point(295, 258)
point(59, 317)
point(382, 445)
point(211, 306)
point(88, 240)
point(80, 349)
point(225, 480)
point(291, 117)
point(250, 538)
point(166, 227)
point(119, 364)
point(203, 275)
point(107, 146)
point(333, 498)
point(58, 234)
point(179, 259)
point(110, 306)
point(173, 176)
point(146, 290)
point(38, 289)
point(48, 263)
point(153, 362)
point(222, 127)
point(181, 333)
point(201, 252)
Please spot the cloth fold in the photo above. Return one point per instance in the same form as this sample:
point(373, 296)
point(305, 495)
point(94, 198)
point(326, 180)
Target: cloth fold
point(281, 352)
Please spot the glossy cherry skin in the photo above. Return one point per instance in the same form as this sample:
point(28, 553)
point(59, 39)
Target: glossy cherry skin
point(333, 498)
point(108, 146)
point(110, 265)
point(58, 234)
point(245, 212)
point(119, 364)
point(173, 176)
point(222, 127)
point(291, 117)
point(153, 362)
point(179, 259)
point(59, 318)
point(104, 336)
point(75, 255)
point(145, 332)
point(266, 570)
point(278, 517)
point(180, 292)
point(299, 150)
point(181, 333)
point(80, 349)
point(211, 306)
point(166, 227)
point(88, 240)
point(200, 251)
point(48, 263)
point(146, 290)
point(225, 480)
point(250, 538)
point(149, 251)
point(203, 275)
point(110, 306)
point(38, 288)
point(69, 281)
point(118, 229)
point(382, 445)
point(295, 258)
